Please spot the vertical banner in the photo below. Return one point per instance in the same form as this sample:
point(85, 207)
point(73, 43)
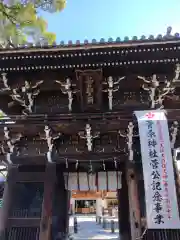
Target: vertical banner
point(160, 193)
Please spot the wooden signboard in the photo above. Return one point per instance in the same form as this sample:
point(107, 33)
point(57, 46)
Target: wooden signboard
point(86, 194)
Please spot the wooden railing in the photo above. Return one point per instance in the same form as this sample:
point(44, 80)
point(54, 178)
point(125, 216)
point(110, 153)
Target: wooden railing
point(167, 234)
point(18, 233)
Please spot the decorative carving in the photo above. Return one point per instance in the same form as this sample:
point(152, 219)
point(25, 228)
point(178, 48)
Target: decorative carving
point(104, 165)
point(77, 164)
point(66, 162)
point(67, 88)
point(88, 136)
point(90, 168)
point(177, 72)
point(115, 163)
point(12, 91)
point(173, 133)
point(11, 144)
point(156, 94)
point(23, 96)
point(90, 90)
point(28, 94)
point(50, 141)
point(112, 87)
point(129, 136)
point(5, 83)
point(132, 98)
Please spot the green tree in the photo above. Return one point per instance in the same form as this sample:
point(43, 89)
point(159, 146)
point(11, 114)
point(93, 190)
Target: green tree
point(20, 21)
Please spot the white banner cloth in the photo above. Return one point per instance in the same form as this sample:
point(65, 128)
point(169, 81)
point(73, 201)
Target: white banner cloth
point(83, 182)
point(160, 193)
point(108, 181)
point(92, 183)
point(72, 181)
point(102, 181)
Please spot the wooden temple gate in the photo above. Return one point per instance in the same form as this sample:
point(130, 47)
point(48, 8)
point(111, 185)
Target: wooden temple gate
point(71, 110)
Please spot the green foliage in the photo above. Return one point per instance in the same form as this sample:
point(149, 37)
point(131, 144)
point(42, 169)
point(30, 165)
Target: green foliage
point(20, 23)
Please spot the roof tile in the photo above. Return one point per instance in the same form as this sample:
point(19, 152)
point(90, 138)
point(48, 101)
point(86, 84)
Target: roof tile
point(159, 37)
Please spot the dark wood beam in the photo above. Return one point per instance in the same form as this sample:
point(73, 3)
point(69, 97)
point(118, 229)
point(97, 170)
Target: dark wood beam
point(55, 118)
point(61, 158)
point(122, 116)
point(95, 56)
point(38, 176)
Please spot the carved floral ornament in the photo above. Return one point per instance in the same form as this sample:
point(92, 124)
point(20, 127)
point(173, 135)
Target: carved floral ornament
point(130, 135)
point(88, 135)
point(112, 86)
point(68, 88)
point(26, 94)
point(156, 93)
point(23, 95)
point(11, 146)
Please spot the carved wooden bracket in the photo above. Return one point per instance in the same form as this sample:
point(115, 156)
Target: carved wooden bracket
point(89, 136)
point(23, 95)
point(11, 145)
point(157, 92)
point(113, 86)
point(129, 136)
point(70, 89)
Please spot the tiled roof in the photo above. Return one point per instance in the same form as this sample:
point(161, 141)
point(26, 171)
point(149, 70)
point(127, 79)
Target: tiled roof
point(143, 39)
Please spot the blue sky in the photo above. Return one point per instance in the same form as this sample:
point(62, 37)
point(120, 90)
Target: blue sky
point(88, 19)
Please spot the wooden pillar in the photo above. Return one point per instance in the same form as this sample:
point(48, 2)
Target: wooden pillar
point(46, 217)
point(7, 199)
point(123, 208)
point(60, 209)
point(142, 204)
point(177, 182)
point(134, 204)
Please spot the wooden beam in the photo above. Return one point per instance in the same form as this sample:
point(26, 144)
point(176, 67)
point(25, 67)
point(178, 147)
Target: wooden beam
point(66, 117)
point(122, 116)
point(61, 158)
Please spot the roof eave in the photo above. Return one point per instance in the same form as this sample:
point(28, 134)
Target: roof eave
point(87, 47)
